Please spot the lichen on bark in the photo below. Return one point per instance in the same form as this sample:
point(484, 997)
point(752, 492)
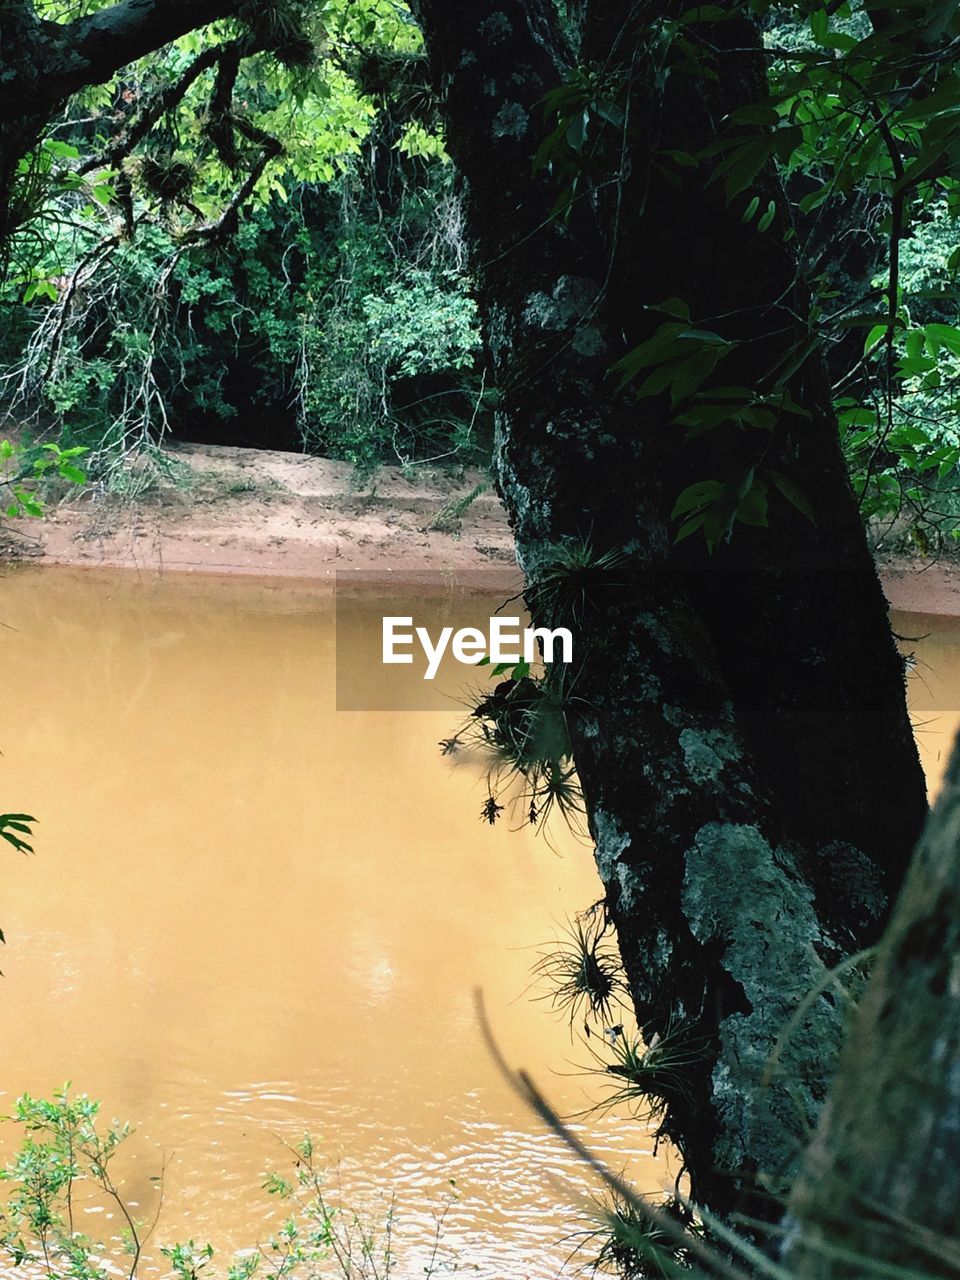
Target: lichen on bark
point(746, 900)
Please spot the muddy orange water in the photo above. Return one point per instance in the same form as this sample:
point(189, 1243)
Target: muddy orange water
point(932, 645)
point(251, 915)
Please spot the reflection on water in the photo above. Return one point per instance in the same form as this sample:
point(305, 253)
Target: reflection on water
point(252, 916)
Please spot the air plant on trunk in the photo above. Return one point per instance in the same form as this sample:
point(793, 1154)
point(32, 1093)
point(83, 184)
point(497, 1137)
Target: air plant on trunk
point(521, 727)
point(283, 28)
point(646, 1077)
point(633, 1247)
point(571, 576)
point(582, 970)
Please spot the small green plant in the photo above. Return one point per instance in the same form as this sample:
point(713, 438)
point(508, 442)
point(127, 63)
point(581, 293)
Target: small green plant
point(571, 575)
point(582, 969)
point(63, 1149)
point(634, 1248)
point(447, 519)
point(316, 1230)
point(67, 1156)
point(22, 472)
point(647, 1076)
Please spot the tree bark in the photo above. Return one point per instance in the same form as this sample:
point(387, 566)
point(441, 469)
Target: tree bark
point(65, 57)
point(738, 721)
point(881, 1180)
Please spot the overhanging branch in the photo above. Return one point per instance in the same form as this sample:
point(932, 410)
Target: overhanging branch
point(64, 58)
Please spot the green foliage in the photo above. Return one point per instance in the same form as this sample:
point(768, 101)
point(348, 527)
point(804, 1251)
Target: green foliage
point(855, 142)
point(257, 331)
point(13, 828)
point(715, 508)
point(250, 238)
point(393, 352)
point(678, 359)
point(338, 305)
point(582, 969)
point(66, 1159)
point(26, 473)
point(418, 326)
point(62, 1149)
point(584, 113)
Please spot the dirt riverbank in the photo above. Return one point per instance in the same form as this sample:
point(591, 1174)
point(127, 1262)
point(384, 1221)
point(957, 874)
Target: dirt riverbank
point(248, 511)
point(270, 514)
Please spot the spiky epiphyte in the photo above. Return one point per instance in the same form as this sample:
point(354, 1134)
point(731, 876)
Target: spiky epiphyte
point(491, 810)
point(166, 176)
point(522, 722)
point(582, 969)
point(647, 1077)
point(571, 575)
point(522, 725)
point(281, 27)
point(634, 1247)
point(298, 51)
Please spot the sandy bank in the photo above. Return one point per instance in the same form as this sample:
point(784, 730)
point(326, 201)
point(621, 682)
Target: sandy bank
point(247, 511)
point(285, 515)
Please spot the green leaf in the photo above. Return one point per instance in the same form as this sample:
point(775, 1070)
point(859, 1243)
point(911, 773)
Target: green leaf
point(742, 166)
point(653, 351)
point(756, 114)
point(875, 336)
point(945, 334)
point(814, 199)
point(700, 494)
point(703, 13)
point(819, 25)
point(689, 526)
point(675, 307)
point(62, 150)
point(792, 492)
point(752, 507)
point(11, 823)
point(768, 217)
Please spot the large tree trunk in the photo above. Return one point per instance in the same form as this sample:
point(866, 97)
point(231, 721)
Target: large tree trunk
point(738, 721)
point(881, 1180)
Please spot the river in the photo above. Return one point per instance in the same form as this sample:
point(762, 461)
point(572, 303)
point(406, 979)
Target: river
point(251, 915)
